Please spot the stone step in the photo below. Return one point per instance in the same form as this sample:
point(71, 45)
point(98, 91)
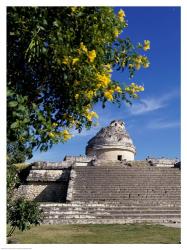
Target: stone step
point(124, 183)
point(127, 167)
point(111, 221)
point(131, 193)
point(126, 177)
point(146, 171)
point(111, 212)
point(117, 196)
point(125, 186)
point(148, 203)
point(102, 206)
point(132, 179)
point(142, 208)
point(127, 172)
point(113, 216)
point(128, 201)
point(123, 174)
point(126, 193)
point(134, 187)
point(129, 190)
point(102, 199)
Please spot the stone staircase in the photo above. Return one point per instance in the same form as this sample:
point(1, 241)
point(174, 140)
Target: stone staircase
point(96, 213)
point(118, 194)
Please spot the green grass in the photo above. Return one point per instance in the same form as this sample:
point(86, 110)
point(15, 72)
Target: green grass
point(75, 234)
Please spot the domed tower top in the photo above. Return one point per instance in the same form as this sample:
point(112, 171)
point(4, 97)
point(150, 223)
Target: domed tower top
point(112, 143)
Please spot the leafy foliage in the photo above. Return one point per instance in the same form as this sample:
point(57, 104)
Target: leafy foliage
point(60, 61)
point(12, 181)
point(22, 214)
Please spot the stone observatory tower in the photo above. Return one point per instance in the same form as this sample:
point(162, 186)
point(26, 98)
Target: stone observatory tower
point(112, 143)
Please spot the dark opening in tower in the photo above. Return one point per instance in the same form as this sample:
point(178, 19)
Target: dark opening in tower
point(119, 157)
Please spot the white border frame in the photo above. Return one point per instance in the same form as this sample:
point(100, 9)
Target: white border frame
point(148, 3)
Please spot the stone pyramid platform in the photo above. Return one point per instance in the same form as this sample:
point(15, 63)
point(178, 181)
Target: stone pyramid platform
point(118, 193)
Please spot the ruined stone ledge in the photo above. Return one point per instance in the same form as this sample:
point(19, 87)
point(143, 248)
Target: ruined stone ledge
point(50, 165)
point(48, 175)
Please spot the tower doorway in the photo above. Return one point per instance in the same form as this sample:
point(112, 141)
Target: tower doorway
point(119, 157)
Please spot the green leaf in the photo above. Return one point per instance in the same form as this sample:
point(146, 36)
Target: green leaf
point(14, 125)
point(12, 104)
point(65, 76)
point(44, 50)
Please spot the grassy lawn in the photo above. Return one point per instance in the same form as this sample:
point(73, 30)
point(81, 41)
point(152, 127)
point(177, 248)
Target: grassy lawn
point(76, 234)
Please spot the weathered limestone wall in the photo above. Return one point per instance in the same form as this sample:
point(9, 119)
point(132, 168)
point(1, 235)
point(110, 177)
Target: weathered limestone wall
point(48, 175)
point(82, 158)
point(43, 192)
point(51, 165)
point(112, 154)
point(162, 162)
point(45, 182)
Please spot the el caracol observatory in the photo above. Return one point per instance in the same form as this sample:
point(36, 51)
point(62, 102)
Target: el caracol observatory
point(105, 186)
point(112, 143)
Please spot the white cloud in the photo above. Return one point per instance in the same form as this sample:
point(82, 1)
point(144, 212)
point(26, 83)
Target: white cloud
point(151, 104)
point(146, 105)
point(162, 124)
point(85, 132)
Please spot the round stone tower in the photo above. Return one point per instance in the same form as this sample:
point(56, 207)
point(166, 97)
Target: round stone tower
point(112, 143)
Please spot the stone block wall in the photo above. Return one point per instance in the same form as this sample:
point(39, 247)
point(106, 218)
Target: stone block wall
point(162, 162)
point(81, 158)
point(44, 182)
point(43, 192)
point(112, 154)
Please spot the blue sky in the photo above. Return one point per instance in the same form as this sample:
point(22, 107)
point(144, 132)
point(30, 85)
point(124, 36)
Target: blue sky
point(154, 121)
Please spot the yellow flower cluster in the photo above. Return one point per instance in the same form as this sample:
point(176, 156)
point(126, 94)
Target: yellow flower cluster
point(69, 118)
point(133, 89)
point(141, 61)
point(90, 115)
point(104, 79)
point(109, 94)
point(108, 68)
point(83, 50)
point(118, 89)
point(75, 60)
point(51, 134)
point(91, 55)
point(89, 94)
point(73, 9)
point(83, 47)
point(68, 60)
point(146, 45)
point(116, 32)
point(76, 96)
point(54, 124)
point(145, 62)
point(121, 15)
point(65, 133)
